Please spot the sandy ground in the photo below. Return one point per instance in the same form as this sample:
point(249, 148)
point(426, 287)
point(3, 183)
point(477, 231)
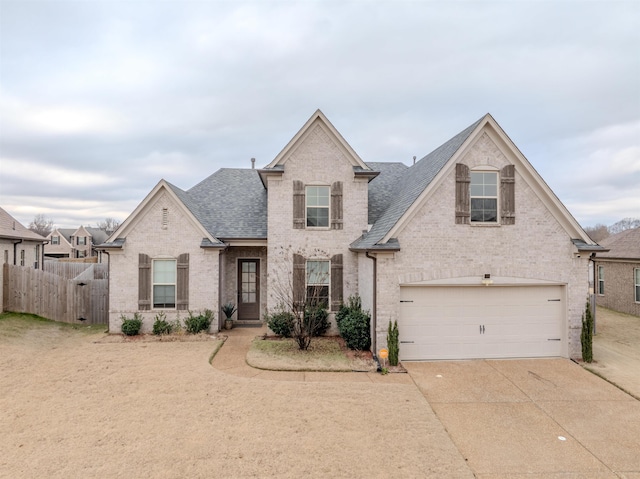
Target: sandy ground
point(71, 407)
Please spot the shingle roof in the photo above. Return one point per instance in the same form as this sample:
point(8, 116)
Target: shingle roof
point(231, 203)
point(622, 245)
point(12, 228)
point(413, 182)
point(384, 187)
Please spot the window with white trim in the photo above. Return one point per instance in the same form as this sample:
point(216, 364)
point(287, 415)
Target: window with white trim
point(601, 280)
point(55, 240)
point(318, 280)
point(21, 257)
point(317, 199)
point(484, 197)
point(636, 273)
point(164, 283)
point(81, 240)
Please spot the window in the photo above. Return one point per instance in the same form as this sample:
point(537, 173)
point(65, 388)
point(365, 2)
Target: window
point(317, 206)
point(80, 253)
point(484, 197)
point(55, 240)
point(36, 263)
point(600, 279)
point(636, 272)
point(318, 276)
point(164, 283)
point(81, 240)
point(21, 257)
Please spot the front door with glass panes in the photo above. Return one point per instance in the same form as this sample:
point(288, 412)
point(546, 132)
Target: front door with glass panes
point(248, 289)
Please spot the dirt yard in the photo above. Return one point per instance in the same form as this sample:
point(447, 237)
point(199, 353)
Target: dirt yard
point(74, 407)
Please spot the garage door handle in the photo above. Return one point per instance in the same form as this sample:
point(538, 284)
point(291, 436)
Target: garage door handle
point(554, 339)
point(406, 342)
point(406, 301)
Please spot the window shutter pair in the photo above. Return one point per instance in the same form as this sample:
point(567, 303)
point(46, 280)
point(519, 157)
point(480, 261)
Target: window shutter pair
point(507, 195)
point(299, 205)
point(144, 282)
point(300, 280)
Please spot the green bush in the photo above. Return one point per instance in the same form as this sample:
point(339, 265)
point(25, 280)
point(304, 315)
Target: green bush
point(131, 326)
point(316, 320)
point(392, 343)
point(586, 336)
point(161, 325)
point(281, 323)
point(354, 324)
point(195, 324)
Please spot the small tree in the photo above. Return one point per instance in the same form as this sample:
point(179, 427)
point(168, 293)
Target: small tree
point(392, 343)
point(586, 336)
point(306, 301)
point(41, 225)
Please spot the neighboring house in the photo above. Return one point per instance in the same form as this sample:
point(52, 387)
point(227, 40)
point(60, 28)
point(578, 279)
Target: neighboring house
point(617, 272)
point(468, 249)
point(74, 243)
point(19, 245)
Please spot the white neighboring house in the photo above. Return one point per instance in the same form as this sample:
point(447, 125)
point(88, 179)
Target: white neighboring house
point(468, 249)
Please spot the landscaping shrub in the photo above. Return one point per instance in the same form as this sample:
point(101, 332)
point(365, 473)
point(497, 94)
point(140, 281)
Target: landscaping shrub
point(392, 343)
point(161, 325)
point(354, 324)
point(586, 336)
point(195, 324)
point(131, 326)
point(316, 320)
point(281, 323)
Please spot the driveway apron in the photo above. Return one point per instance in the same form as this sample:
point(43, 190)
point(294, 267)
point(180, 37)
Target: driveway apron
point(539, 418)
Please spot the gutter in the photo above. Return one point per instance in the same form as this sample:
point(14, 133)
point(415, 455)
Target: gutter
point(374, 316)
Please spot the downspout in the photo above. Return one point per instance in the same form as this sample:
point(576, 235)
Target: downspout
point(108, 286)
point(374, 316)
point(15, 251)
point(592, 297)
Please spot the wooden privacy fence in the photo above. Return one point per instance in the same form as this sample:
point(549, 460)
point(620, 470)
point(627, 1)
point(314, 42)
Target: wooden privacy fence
point(82, 299)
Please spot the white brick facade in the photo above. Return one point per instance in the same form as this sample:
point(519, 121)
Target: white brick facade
point(151, 238)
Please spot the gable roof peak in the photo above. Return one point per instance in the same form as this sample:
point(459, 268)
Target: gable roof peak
point(318, 116)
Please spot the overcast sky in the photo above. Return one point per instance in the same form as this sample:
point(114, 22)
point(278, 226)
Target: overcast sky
point(99, 100)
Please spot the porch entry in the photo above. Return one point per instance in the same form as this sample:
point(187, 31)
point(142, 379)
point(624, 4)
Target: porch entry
point(248, 289)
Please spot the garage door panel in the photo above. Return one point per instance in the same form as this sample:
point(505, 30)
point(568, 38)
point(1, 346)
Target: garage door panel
point(481, 322)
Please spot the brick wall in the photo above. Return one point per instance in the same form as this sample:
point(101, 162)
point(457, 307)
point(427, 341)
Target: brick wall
point(619, 287)
point(317, 159)
point(535, 248)
point(149, 237)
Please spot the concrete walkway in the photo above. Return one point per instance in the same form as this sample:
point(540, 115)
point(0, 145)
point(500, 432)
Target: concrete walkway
point(231, 359)
point(616, 349)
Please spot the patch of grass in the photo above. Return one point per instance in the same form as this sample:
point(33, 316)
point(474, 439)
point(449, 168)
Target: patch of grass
point(13, 325)
point(324, 354)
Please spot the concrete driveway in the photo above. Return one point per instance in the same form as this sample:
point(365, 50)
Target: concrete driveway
point(533, 418)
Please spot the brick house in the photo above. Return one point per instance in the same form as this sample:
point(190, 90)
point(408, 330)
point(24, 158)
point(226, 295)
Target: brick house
point(468, 249)
point(74, 243)
point(19, 245)
point(617, 272)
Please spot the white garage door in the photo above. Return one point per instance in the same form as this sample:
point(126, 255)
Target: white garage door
point(481, 322)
